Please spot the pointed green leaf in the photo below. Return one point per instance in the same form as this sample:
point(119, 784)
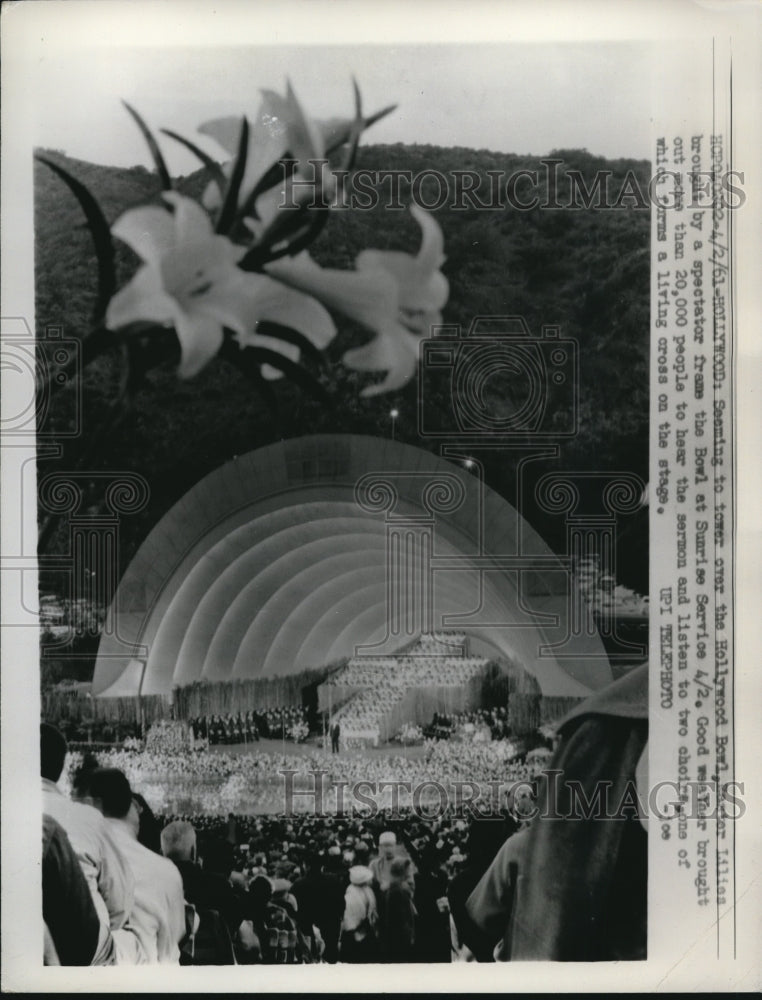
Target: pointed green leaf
point(293, 372)
point(218, 175)
point(291, 336)
point(250, 367)
point(380, 114)
point(158, 159)
point(355, 132)
point(100, 232)
point(229, 209)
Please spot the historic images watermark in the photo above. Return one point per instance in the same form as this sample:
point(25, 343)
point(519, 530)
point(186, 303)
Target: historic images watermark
point(562, 798)
point(552, 187)
point(498, 379)
point(87, 567)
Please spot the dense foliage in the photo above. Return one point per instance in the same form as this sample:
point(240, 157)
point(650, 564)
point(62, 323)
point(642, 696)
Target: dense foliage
point(585, 270)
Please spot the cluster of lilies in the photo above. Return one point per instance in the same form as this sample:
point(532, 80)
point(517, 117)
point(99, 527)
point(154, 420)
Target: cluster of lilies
point(236, 265)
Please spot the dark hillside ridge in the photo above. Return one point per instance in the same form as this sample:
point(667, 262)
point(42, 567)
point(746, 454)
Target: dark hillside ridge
point(585, 270)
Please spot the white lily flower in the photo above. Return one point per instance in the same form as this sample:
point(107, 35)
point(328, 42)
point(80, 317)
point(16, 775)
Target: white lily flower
point(421, 285)
point(396, 295)
point(279, 126)
point(189, 280)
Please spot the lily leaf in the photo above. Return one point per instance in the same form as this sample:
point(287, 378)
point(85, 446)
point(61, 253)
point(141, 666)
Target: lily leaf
point(230, 205)
point(277, 173)
point(100, 232)
point(282, 225)
point(250, 367)
point(318, 222)
point(209, 162)
point(158, 159)
point(283, 169)
point(294, 372)
point(365, 123)
point(291, 336)
point(379, 115)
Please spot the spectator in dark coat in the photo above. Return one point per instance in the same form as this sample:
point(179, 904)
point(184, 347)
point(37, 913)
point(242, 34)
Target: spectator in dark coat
point(72, 925)
point(398, 925)
point(206, 890)
point(320, 896)
point(582, 888)
point(486, 836)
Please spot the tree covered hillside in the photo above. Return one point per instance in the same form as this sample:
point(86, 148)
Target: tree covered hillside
point(585, 270)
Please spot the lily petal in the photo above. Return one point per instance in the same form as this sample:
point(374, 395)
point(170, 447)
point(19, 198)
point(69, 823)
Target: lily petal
point(312, 188)
point(422, 287)
point(368, 298)
point(431, 255)
point(279, 126)
point(268, 141)
point(149, 231)
point(192, 224)
point(277, 303)
point(305, 141)
point(225, 131)
point(240, 301)
point(200, 339)
point(421, 322)
point(141, 300)
point(419, 288)
point(290, 351)
point(394, 351)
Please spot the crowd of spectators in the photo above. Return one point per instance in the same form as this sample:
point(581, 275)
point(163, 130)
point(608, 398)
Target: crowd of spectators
point(287, 722)
point(209, 781)
point(124, 886)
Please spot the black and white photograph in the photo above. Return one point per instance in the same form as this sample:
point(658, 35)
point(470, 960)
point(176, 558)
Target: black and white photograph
point(369, 419)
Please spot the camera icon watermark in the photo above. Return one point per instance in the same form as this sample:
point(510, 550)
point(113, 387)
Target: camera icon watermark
point(32, 370)
point(498, 381)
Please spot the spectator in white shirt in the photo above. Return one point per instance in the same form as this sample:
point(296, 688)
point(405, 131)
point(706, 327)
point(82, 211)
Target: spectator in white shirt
point(108, 878)
point(158, 913)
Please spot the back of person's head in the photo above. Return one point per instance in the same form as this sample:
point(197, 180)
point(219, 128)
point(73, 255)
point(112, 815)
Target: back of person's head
point(313, 862)
point(52, 751)
point(81, 778)
point(218, 856)
point(149, 828)
point(333, 861)
point(110, 792)
point(362, 853)
point(401, 870)
point(260, 891)
point(486, 836)
point(178, 841)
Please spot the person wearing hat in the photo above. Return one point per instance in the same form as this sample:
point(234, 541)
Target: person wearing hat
point(381, 866)
point(358, 927)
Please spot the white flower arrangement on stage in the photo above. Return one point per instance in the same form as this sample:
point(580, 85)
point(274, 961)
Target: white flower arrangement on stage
point(409, 734)
point(167, 735)
point(298, 732)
